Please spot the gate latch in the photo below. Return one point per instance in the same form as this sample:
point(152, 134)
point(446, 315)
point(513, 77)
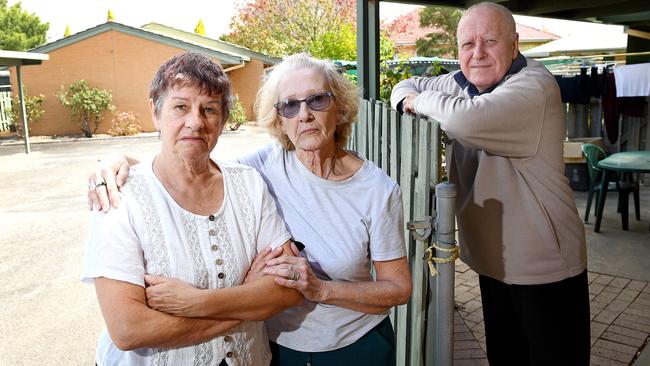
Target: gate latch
point(426, 227)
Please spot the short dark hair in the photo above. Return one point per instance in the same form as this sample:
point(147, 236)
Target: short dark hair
point(191, 69)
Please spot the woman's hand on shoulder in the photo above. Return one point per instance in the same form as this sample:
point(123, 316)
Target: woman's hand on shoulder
point(106, 180)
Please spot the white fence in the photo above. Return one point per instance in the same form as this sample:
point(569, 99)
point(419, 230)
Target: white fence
point(6, 119)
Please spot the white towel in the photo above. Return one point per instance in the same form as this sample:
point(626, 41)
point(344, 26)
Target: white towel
point(632, 80)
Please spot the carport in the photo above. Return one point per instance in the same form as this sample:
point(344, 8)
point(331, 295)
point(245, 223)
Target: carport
point(18, 59)
point(633, 14)
point(408, 148)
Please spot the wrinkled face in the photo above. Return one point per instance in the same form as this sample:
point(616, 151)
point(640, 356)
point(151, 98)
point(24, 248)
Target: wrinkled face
point(486, 47)
point(189, 122)
point(309, 129)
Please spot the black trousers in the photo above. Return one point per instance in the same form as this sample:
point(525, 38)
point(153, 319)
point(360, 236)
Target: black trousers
point(545, 324)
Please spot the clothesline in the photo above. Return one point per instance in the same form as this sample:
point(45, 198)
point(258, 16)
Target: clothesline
point(571, 65)
point(624, 54)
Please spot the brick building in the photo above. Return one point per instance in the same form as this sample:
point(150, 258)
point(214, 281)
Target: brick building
point(124, 59)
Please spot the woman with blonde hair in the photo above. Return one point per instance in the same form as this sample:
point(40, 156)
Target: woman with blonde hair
point(346, 211)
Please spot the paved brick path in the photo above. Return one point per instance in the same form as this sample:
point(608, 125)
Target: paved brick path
point(620, 319)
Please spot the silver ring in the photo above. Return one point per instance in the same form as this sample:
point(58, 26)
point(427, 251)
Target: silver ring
point(97, 185)
point(295, 276)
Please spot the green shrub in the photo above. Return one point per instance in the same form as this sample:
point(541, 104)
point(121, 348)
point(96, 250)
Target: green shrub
point(87, 105)
point(389, 77)
point(237, 115)
point(33, 108)
point(125, 124)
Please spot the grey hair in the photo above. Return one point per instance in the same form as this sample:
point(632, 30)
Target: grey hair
point(506, 15)
point(345, 93)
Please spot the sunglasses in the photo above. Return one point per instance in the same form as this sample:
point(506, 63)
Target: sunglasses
point(289, 108)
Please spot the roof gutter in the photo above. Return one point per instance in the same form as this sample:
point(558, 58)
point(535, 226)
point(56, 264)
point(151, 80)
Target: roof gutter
point(231, 68)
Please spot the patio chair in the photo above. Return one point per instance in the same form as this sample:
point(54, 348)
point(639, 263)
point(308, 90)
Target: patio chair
point(593, 154)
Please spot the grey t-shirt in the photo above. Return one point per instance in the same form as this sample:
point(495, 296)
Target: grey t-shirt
point(344, 226)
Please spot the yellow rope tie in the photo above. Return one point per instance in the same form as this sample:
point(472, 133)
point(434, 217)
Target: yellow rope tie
point(454, 252)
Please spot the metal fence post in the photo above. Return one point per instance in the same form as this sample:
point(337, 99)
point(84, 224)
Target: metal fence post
point(440, 324)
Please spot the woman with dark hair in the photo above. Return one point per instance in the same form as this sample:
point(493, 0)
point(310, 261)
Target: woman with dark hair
point(191, 225)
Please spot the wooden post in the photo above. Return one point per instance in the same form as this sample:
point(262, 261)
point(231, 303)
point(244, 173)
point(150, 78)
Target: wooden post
point(403, 334)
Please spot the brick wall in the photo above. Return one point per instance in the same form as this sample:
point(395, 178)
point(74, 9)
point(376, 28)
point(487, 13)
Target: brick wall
point(118, 62)
point(245, 82)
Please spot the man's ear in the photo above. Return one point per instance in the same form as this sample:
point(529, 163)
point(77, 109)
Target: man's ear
point(515, 51)
point(152, 109)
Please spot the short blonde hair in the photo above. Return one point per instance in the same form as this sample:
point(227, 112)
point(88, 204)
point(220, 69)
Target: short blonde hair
point(346, 97)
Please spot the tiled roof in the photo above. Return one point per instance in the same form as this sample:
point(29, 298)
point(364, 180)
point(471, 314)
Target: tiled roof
point(530, 34)
point(224, 58)
point(405, 29)
point(227, 53)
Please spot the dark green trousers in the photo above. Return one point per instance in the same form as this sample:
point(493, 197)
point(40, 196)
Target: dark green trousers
point(375, 348)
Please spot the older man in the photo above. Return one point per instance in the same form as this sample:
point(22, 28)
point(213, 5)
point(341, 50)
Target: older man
point(519, 226)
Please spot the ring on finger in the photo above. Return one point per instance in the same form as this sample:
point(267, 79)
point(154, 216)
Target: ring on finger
point(295, 276)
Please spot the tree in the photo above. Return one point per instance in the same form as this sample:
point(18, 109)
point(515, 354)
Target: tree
point(110, 17)
point(283, 27)
point(67, 31)
point(336, 44)
point(441, 42)
point(200, 28)
point(87, 105)
point(20, 30)
point(324, 28)
point(33, 110)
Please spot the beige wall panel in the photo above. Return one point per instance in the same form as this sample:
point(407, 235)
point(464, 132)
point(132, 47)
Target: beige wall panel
point(246, 82)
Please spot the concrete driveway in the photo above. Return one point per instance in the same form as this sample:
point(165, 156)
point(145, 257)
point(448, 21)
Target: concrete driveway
point(47, 316)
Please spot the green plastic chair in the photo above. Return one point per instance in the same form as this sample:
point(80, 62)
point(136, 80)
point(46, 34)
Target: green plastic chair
point(593, 154)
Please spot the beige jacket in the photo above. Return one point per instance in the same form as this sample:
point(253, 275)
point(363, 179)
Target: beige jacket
point(516, 213)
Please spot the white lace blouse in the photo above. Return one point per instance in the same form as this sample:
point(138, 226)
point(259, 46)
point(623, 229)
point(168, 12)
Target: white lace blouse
point(151, 234)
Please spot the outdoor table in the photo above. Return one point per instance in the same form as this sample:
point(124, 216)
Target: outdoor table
point(622, 162)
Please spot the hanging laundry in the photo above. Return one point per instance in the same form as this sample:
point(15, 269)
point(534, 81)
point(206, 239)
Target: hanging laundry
point(632, 106)
point(598, 85)
point(610, 107)
point(573, 89)
point(633, 80)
